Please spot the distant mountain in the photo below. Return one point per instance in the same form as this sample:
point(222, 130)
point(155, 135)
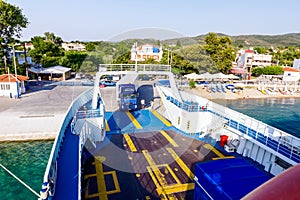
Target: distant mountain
point(246, 41)
point(291, 39)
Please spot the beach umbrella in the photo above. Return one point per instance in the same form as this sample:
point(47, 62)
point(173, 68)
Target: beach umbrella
point(205, 75)
point(231, 76)
point(219, 76)
point(193, 76)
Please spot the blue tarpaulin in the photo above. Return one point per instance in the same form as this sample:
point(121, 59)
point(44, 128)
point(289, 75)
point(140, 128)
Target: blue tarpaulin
point(227, 179)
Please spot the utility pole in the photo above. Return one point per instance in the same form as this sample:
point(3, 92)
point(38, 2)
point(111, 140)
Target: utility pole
point(15, 65)
point(135, 46)
point(4, 59)
point(25, 55)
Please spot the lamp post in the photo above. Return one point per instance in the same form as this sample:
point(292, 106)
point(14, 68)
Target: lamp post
point(135, 46)
point(15, 65)
point(14, 55)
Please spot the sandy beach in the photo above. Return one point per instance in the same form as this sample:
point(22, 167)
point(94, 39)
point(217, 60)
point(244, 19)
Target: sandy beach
point(246, 93)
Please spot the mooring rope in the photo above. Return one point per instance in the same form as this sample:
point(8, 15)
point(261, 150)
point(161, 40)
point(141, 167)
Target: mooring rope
point(22, 182)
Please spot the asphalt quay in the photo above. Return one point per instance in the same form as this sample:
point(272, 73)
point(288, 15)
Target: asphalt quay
point(36, 115)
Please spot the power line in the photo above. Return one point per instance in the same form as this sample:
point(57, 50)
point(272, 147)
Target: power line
point(22, 182)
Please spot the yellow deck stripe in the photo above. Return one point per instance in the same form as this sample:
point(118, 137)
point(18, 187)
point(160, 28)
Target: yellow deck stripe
point(134, 121)
point(130, 143)
point(171, 172)
point(223, 157)
point(157, 185)
point(183, 166)
point(156, 114)
point(169, 138)
point(116, 183)
point(218, 153)
point(100, 180)
point(154, 168)
point(106, 126)
point(171, 189)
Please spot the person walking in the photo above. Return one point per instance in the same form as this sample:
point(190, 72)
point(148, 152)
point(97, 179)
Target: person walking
point(143, 103)
point(152, 104)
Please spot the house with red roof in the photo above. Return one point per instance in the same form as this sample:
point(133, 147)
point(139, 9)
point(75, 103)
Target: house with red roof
point(291, 74)
point(11, 85)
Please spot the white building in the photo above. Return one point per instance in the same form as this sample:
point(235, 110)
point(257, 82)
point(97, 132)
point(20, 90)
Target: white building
point(11, 86)
point(73, 46)
point(296, 63)
point(291, 74)
point(246, 59)
point(144, 52)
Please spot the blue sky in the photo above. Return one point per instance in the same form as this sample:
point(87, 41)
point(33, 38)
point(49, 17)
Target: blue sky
point(101, 20)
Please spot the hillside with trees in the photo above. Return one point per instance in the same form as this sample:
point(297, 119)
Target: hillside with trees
point(210, 52)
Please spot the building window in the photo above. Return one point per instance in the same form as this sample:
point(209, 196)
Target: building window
point(7, 87)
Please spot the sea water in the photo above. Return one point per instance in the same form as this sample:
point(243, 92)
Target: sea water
point(282, 113)
point(28, 161)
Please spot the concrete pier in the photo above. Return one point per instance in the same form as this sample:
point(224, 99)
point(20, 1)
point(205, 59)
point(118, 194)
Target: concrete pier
point(37, 115)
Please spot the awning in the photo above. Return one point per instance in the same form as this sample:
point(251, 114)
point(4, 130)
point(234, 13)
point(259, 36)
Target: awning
point(50, 70)
point(238, 71)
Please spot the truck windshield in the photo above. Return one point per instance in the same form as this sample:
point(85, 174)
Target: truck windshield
point(128, 96)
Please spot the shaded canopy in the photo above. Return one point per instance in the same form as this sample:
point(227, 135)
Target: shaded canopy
point(192, 76)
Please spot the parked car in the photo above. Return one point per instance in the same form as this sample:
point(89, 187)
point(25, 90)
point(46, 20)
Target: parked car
point(78, 76)
point(107, 83)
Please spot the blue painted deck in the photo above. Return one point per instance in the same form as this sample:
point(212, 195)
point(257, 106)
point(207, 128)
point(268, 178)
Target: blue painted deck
point(227, 178)
point(67, 168)
point(119, 122)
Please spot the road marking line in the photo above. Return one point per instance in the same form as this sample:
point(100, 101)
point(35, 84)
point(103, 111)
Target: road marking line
point(106, 126)
point(218, 153)
point(183, 166)
point(169, 138)
point(116, 183)
point(100, 180)
point(156, 114)
point(130, 143)
point(171, 172)
point(176, 188)
point(134, 120)
point(227, 157)
point(102, 192)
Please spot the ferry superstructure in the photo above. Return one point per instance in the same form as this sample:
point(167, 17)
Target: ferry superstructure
point(187, 147)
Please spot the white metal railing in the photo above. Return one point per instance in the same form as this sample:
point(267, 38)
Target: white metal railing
point(278, 140)
point(76, 104)
point(132, 67)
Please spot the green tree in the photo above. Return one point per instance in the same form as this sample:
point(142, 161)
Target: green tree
point(192, 84)
point(123, 59)
point(90, 46)
point(221, 51)
point(43, 48)
point(273, 70)
point(257, 71)
point(53, 39)
point(12, 21)
point(199, 58)
point(74, 60)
